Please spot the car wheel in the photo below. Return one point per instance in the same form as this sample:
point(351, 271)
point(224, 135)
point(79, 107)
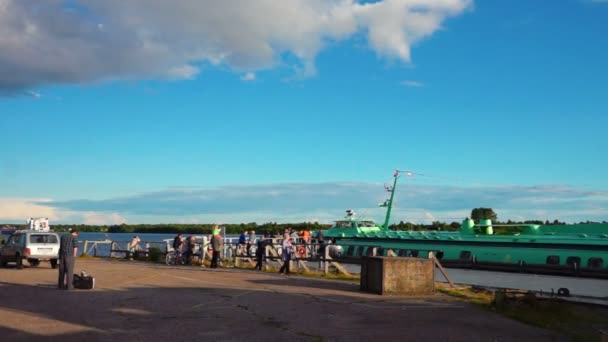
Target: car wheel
point(33, 262)
point(53, 263)
point(2, 262)
point(18, 262)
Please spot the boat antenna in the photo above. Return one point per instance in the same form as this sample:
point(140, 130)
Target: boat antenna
point(389, 203)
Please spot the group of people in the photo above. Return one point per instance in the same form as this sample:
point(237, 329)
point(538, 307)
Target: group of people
point(185, 248)
point(246, 240)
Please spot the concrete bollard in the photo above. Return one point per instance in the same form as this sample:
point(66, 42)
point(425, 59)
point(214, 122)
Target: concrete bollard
point(402, 276)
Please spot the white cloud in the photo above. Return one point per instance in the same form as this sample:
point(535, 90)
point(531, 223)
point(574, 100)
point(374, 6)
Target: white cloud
point(327, 201)
point(20, 209)
point(184, 72)
point(412, 84)
point(33, 94)
point(51, 42)
point(250, 76)
point(102, 218)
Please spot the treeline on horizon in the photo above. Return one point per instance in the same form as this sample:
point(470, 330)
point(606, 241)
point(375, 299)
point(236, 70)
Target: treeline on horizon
point(477, 214)
point(191, 228)
point(270, 227)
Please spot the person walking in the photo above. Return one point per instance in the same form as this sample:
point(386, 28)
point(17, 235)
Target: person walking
point(216, 243)
point(68, 248)
point(286, 255)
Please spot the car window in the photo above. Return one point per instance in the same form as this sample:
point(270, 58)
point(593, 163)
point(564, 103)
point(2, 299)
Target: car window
point(16, 239)
point(43, 238)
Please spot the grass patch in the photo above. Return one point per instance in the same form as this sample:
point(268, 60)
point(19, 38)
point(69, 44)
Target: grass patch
point(474, 295)
point(581, 322)
point(333, 276)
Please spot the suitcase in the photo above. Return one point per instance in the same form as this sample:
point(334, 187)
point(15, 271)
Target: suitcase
point(84, 281)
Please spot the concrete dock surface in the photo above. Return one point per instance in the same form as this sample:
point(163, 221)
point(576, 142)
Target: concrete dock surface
point(136, 301)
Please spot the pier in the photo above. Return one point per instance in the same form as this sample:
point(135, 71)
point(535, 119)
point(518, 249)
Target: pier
point(580, 289)
point(138, 301)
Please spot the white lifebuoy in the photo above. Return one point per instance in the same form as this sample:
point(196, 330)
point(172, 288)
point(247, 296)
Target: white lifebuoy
point(301, 251)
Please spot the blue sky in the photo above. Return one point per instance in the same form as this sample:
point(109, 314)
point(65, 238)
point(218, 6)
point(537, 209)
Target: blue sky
point(174, 115)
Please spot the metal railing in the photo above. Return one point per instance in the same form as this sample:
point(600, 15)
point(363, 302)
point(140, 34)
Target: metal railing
point(327, 255)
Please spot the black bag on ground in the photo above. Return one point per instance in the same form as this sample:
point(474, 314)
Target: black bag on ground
point(84, 281)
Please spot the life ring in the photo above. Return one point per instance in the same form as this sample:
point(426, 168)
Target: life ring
point(301, 251)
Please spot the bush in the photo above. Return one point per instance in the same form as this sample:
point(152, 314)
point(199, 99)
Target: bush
point(155, 254)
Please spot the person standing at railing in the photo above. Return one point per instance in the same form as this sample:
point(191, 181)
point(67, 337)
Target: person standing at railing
point(306, 236)
point(294, 236)
point(178, 244)
point(134, 246)
point(260, 253)
point(251, 241)
point(68, 249)
point(321, 242)
point(216, 243)
point(242, 243)
point(286, 255)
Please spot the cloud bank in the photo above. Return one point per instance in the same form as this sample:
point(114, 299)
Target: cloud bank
point(323, 202)
point(82, 41)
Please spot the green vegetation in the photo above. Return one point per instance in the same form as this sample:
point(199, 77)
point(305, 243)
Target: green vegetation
point(155, 254)
point(273, 227)
point(581, 322)
point(171, 228)
point(483, 214)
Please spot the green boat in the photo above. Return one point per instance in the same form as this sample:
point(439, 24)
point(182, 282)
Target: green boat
point(576, 249)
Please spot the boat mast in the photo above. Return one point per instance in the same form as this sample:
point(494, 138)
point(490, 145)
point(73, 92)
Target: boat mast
point(390, 201)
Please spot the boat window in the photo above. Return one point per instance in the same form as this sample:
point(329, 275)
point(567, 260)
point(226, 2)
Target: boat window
point(413, 253)
point(465, 255)
point(402, 252)
point(369, 251)
point(366, 224)
point(344, 224)
point(350, 251)
point(380, 251)
point(572, 260)
point(43, 238)
point(595, 263)
point(553, 260)
point(359, 251)
point(439, 254)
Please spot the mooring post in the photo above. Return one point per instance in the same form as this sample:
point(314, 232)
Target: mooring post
point(325, 257)
point(443, 272)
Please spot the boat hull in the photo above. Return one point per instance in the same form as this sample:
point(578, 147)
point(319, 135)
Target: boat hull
point(584, 260)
